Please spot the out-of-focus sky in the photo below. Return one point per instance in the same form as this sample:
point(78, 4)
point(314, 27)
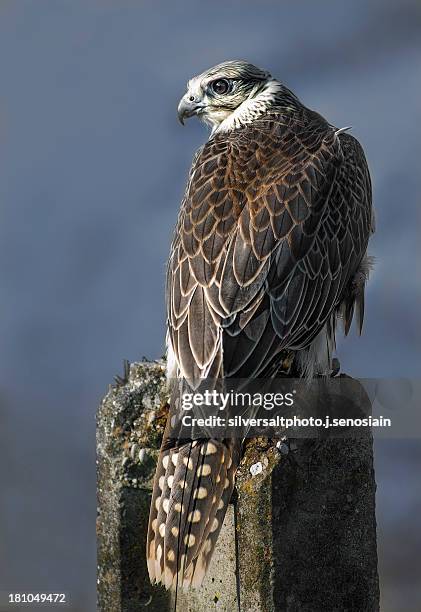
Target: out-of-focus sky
point(92, 168)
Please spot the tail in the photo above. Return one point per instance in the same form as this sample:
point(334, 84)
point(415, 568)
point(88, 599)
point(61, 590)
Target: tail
point(193, 484)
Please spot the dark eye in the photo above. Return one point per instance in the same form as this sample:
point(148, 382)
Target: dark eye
point(220, 87)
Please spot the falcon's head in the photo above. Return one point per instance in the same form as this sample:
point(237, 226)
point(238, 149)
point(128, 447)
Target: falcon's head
point(225, 91)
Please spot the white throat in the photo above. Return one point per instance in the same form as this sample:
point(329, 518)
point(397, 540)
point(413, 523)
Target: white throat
point(250, 109)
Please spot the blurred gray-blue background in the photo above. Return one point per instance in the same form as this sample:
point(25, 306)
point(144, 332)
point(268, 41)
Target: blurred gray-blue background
point(92, 168)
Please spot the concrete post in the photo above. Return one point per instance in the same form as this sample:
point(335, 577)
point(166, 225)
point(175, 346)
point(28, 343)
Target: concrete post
point(306, 532)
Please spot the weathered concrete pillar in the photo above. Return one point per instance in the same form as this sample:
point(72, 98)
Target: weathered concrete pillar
point(306, 532)
point(130, 424)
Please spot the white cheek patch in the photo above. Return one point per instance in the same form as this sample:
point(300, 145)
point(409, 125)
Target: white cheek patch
point(250, 109)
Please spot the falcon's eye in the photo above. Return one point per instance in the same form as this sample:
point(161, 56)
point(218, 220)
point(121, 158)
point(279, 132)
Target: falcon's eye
point(221, 86)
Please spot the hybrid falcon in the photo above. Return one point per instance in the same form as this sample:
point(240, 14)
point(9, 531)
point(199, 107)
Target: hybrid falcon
point(269, 252)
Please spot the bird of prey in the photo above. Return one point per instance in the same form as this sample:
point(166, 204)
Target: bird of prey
point(269, 251)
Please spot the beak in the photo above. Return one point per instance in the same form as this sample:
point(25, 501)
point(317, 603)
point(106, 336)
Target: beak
point(189, 106)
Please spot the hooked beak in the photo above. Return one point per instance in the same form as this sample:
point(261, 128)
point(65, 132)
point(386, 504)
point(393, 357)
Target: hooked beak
point(189, 106)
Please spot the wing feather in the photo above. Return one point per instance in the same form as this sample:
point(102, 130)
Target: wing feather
point(282, 208)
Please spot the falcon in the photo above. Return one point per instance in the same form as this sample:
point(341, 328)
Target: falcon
point(269, 252)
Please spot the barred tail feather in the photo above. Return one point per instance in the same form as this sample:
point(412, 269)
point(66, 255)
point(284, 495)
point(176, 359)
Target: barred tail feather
point(217, 515)
point(192, 488)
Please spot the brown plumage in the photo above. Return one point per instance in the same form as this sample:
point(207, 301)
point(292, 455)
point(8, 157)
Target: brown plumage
point(269, 249)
